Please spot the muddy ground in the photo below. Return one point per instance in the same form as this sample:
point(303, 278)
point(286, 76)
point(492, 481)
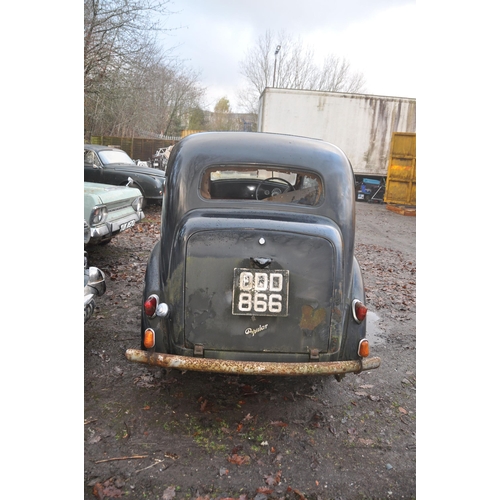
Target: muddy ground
point(153, 435)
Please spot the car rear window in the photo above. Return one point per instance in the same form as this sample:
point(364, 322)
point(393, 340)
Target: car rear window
point(262, 183)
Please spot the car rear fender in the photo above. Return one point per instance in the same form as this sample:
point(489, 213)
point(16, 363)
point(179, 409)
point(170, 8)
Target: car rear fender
point(354, 331)
point(152, 286)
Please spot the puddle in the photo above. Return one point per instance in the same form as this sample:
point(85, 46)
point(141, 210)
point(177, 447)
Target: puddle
point(373, 331)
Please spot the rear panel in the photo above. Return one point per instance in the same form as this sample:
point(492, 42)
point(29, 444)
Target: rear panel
point(257, 291)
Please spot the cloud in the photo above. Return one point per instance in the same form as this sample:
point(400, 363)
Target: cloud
point(376, 36)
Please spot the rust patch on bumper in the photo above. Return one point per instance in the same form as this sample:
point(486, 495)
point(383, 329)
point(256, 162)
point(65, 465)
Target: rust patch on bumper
point(250, 367)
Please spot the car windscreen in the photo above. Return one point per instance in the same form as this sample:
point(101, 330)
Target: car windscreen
point(262, 183)
point(112, 156)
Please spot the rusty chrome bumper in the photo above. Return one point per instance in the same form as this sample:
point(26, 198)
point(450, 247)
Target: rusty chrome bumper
point(250, 367)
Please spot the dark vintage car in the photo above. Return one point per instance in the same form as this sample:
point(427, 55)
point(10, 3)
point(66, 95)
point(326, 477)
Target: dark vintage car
point(109, 165)
point(255, 272)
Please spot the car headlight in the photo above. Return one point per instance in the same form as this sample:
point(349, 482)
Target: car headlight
point(98, 215)
point(137, 203)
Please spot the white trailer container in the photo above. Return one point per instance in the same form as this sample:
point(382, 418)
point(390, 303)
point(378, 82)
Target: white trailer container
point(361, 125)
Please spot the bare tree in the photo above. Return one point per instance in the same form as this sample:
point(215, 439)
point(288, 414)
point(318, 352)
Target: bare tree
point(116, 31)
point(132, 86)
point(174, 91)
point(336, 76)
point(281, 60)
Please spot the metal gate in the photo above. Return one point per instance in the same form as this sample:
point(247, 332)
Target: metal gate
point(401, 184)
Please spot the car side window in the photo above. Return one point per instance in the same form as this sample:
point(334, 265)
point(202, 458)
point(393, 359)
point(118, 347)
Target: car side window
point(91, 158)
point(88, 156)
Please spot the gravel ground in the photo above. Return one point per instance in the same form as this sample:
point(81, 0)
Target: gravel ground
point(148, 434)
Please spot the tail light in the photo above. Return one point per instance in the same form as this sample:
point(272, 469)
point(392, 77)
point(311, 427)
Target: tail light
point(149, 338)
point(364, 348)
point(359, 310)
point(150, 306)
point(153, 307)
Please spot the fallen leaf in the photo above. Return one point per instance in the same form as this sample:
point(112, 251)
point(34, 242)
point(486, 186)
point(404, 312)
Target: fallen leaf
point(367, 442)
point(169, 493)
point(270, 481)
point(106, 489)
point(278, 423)
point(403, 411)
point(297, 492)
point(273, 479)
point(265, 491)
point(239, 460)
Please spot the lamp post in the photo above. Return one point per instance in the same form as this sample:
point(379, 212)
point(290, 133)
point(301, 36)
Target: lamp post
point(275, 56)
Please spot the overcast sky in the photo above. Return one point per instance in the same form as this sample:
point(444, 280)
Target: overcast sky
point(377, 37)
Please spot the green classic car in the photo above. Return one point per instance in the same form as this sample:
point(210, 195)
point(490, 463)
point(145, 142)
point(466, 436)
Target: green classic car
point(109, 210)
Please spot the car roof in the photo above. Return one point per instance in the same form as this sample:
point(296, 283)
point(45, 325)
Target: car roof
point(198, 151)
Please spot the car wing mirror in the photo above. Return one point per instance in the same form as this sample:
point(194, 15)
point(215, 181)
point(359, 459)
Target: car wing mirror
point(130, 182)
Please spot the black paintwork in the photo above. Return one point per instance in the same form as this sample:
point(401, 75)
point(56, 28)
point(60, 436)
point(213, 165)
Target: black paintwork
point(203, 241)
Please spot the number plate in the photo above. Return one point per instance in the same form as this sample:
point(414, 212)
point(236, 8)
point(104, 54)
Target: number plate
point(127, 225)
point(260, 292)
